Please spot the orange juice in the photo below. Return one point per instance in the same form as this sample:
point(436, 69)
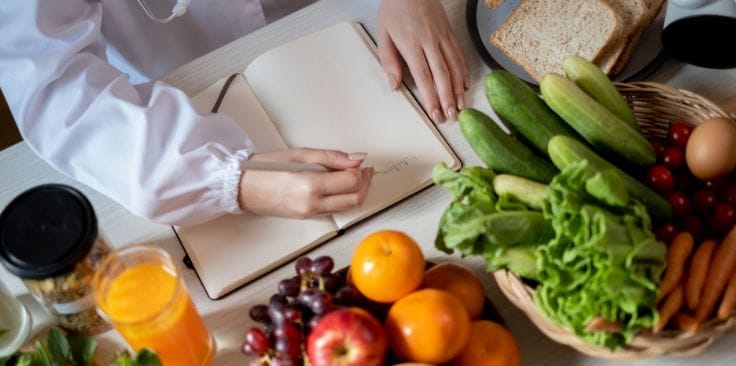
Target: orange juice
point(150, 307)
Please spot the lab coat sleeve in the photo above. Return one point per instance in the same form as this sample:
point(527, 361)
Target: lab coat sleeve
point(144, 146)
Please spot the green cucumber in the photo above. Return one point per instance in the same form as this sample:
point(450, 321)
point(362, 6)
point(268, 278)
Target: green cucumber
point(526, 114)
point(601, 128)
point(501, 152)
point(564, 151)
point(589, 77)
point(529, 192)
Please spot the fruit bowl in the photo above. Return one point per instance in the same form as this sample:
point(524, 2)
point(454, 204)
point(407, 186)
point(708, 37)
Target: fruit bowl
point(655, 106)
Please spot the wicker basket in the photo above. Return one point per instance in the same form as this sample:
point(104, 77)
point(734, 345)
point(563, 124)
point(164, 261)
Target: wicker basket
point(655, 106)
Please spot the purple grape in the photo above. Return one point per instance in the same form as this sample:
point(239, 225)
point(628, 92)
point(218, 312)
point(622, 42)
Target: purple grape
point(256, 342)
point(292, 314)
point(288, 331)
point(332, 283)
point(302, 265)
point(290, 286)
point(259, 313)
point(322, 265)
point(307, 296)
point(313, 321)
point(322, 303)
point(281, 299)
point(276, 311)
point(348, 296)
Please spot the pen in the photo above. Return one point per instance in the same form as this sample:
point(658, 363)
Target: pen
point(282, 166)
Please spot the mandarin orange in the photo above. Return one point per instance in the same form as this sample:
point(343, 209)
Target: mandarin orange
point(459, 281)
point(490, 344)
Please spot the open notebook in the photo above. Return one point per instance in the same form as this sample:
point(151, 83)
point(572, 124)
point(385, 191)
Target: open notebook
point(324, 90)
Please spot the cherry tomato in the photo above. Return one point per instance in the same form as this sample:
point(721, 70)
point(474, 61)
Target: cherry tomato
point(729, 195)
point(666, 232)
point(693, 225)
point(678, 134)
point(673, 158)
point(658, 146)
point(685, 182)
point(715, 184)
point(660, 178)
point(680, 204)
point(723, 218)
point(704, 201)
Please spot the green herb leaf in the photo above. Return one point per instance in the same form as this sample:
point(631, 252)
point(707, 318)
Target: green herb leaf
point(42, 356)
point(147, 357)
point(24, 360)
point(59, 347)
point(123, 359)
point(83, 349)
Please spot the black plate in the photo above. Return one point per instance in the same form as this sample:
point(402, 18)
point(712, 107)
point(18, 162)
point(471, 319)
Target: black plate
point(482, 21)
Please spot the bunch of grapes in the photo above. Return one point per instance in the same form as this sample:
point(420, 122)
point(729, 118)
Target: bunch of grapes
point(291, 313)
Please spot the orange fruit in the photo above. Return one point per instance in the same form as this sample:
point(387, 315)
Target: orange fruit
point(387, 265)
point(490, 344)
point(429, 326)
point(459, 281)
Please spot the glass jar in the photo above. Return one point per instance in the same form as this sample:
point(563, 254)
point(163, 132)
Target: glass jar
point(49, 238)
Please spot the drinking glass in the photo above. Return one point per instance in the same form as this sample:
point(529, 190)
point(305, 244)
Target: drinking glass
point(140, 290)
point(15, 322)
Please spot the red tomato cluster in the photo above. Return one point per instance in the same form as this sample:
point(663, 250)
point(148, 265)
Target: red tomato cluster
point(703, 208)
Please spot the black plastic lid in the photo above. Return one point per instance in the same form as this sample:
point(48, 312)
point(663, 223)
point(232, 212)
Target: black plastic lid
point(703, 40)
point(46, 230)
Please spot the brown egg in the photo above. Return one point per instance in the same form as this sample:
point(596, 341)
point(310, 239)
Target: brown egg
point(711, 149)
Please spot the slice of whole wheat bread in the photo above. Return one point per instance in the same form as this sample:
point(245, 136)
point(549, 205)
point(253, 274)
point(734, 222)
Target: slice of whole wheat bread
point(633, 17)
point(539, 34)
point(652, 8)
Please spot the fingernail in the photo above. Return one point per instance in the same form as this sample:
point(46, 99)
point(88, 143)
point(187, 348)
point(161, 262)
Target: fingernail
point(437, 115)
point(357, 156)
point(460, 102)
point(371, 170)
point(466, 81)
point(392, 81)
point(452, 113)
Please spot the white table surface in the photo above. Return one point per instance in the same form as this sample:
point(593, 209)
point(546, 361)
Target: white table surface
point(227, 318)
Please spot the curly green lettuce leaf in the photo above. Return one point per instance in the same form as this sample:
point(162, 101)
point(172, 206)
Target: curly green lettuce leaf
point(603, 260)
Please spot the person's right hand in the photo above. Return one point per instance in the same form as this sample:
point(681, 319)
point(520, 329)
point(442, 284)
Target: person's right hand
point(305, 194)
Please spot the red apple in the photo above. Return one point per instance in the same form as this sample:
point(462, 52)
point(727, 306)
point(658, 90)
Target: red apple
point(347, 337)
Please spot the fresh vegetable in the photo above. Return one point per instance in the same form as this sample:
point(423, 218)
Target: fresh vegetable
point(474, 225)
point(524, 111)
point(671, 305)
point(698, 272)
point(729, 298)
point(601, 128)
point(711, 149)
point(677, 256)
point(673, 158)
point(565, 151)
point(680, 204)
point(145, 357)
point(685, 322)
point(589, 77)
point(604, 260)
point(499, 151)
point(678, 134)
point(660, 179)
point(724, 262)
point(529, 192)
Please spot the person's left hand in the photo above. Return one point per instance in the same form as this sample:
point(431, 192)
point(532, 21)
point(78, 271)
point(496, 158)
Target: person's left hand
point(418, 31)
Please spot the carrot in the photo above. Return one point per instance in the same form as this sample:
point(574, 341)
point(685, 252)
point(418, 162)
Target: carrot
point(685, 322)
point(720, 269)
point(729, 299)
point(677, 255)
point(601, 324)
point(698, 272)
point(671, 305)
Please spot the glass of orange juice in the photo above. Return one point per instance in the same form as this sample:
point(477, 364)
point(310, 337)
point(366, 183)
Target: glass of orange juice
point(140, 290)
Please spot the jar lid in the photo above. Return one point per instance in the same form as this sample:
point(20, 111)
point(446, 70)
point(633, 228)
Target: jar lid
point(46, 230)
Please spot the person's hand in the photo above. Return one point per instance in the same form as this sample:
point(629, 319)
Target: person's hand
point(418, 31)
point(305, 194)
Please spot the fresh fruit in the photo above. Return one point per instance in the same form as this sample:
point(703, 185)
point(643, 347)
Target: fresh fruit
point(387, 265)
point(499, 151)
point(523, 110)
point(723, 219)
point(704, 201)
point(658, 147)
point(680, 204)
point(673, 158)
point(660, 178)
point(711, 149)
point(600, 127)
point(460, 282)
point(678, 134)
point(347, 337)
point(429, 326)
point(666, 232)
point(490, 344)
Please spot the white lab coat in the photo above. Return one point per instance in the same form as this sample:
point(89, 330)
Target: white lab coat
point(140, 143)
